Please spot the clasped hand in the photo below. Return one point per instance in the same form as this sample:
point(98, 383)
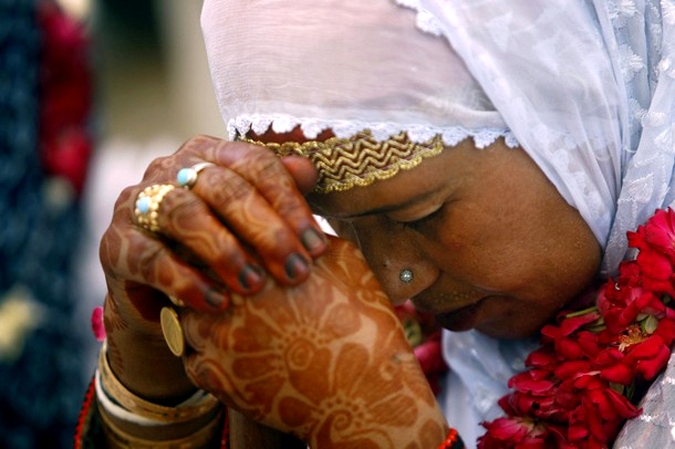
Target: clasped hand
point(308, 348)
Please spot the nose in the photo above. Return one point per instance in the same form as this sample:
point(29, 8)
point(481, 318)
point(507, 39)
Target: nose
point(398, 263)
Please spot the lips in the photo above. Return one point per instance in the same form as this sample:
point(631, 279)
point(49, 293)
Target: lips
point(461, 319)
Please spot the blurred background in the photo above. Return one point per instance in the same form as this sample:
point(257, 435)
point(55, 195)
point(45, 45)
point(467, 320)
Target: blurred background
point(90, 92)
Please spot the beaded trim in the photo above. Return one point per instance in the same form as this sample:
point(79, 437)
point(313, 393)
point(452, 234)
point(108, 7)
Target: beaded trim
point(359, 160)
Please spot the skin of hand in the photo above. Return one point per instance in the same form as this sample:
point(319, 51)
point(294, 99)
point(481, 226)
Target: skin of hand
point(326, 360)
point(244, 220)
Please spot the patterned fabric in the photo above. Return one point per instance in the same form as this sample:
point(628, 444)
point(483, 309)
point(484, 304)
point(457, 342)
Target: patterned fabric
point(41, 376)
point(358, 161)
point(591, 102)
point(655, 428)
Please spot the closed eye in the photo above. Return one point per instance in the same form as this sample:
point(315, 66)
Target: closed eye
point(420, 222)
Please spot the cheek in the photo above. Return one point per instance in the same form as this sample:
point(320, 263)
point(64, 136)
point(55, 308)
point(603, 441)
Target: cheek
point(461, 242)
point(491, 252)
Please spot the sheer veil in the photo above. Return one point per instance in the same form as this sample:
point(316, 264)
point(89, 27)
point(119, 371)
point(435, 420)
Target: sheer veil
point(361, 65)
point(586, 87)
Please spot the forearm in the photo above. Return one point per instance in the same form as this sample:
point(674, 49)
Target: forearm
point(144, 364)
point(143, 383)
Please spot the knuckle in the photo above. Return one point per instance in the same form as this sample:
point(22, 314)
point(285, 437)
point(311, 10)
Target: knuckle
point(292, 207)
point(271, 168)
point(149, 260)
point(229, 256)
point(199, 146)
point(230, 259)
point(180, 204)
point(231, 187)
point(126, 197)
point(158, 168)
point(260, 161)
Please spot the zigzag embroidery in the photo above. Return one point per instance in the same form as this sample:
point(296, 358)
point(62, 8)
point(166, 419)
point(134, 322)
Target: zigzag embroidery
point(359, 160)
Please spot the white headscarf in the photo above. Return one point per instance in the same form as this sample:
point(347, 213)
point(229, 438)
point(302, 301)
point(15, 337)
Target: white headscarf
point(585, 89)
point(588, 89)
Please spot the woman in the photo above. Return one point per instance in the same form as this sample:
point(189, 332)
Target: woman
point(487, 167)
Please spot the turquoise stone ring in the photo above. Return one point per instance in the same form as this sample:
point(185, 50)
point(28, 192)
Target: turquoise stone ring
point(187, 177)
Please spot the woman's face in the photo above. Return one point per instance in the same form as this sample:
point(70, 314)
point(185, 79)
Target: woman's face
point(491, 243)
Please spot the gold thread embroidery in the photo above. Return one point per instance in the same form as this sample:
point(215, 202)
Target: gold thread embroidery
point(359, 160)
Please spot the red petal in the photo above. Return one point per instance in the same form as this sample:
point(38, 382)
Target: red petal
point(618, 373)
point(650, 368)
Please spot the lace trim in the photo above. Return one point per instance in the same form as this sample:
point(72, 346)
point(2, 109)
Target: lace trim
point(426, 21)
point(344, 129)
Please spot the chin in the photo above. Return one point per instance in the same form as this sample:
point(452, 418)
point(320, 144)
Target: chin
point(509, 329)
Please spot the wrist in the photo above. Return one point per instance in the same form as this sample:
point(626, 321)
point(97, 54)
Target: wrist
point(132, 421)
point(140, 359)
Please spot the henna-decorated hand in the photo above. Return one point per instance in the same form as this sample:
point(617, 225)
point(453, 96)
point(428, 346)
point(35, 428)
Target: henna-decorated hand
point(326, 360)
point(244, 218)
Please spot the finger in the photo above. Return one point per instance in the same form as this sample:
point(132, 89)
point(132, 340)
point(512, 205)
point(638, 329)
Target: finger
point(302, 171)
point(200, 366)
point(196, 329)
point(258, 223)
point(146, 260)
point(185, 218)
point(267, 174)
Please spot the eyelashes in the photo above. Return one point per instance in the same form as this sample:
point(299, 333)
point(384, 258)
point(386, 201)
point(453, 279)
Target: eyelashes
point(420, 222)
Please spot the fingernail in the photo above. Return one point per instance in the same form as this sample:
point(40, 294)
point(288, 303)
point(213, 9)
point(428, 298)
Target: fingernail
point(295, 266)
point(312, 240)
point(216, 298)
point(250, 277)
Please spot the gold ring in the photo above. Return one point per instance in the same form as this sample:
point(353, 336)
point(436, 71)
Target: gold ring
point(147, 205)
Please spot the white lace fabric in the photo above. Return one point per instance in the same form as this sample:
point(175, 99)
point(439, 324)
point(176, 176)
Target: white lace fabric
point(345, 66)
point(587, 88)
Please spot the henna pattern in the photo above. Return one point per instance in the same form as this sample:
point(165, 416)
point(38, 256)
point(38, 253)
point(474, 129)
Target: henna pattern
point(327, 361)
point(141, 268)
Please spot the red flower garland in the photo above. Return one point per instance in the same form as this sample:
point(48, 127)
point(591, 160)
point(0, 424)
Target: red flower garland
point(578, 390)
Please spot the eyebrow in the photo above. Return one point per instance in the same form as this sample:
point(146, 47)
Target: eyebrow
point(390, 208)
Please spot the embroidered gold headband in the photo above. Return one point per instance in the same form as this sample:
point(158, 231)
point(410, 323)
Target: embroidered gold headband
point(359, 160)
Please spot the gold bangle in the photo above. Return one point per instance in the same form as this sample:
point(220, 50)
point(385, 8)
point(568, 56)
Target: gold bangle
point(120, 439)
point(139, 406)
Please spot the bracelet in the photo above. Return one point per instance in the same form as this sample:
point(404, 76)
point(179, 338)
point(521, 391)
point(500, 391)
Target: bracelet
point(452, 441)
point(119, 439)
point(200, 404)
